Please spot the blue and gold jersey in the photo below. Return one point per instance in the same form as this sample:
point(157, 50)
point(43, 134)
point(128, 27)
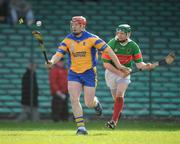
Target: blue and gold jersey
point(82, 51)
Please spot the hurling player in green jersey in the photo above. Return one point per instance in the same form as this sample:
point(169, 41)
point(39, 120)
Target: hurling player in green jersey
point(127, 51)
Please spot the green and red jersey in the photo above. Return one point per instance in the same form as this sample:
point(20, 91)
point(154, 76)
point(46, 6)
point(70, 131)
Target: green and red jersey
point(126, 53)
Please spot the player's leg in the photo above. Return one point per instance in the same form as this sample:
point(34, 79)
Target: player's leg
point(91, 100)
point(119, 101)
point(75, 89)
point(111, 124)
point(118, 104)
point(111, 83)
point(118, 87)
point(90, 82)
point(89, 97)
point(113, 93)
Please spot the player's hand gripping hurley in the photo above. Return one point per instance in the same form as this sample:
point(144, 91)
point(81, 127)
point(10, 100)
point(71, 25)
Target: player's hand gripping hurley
point(169, 59)
point(39, 38)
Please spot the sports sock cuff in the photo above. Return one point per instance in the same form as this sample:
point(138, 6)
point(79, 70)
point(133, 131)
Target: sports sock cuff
point(79, 121)
point(119, 99)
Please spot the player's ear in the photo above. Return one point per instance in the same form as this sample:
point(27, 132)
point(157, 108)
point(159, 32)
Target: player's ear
point(82, 27)
point(128, 34)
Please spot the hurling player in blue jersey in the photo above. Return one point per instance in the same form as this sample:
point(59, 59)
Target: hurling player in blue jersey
point(81, 47)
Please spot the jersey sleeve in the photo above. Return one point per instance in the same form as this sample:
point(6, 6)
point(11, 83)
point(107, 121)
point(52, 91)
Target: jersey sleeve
point(137, 55)
point(62, 48)
point(100, 44)
point(105, 57)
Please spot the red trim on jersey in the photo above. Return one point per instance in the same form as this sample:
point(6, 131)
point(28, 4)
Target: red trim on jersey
point(123, 59)
point(106, 56)
point(137, 56)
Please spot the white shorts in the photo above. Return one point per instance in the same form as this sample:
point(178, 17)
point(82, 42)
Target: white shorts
point(112, 80)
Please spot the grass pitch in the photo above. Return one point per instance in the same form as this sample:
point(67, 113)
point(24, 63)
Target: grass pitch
point(128, 132)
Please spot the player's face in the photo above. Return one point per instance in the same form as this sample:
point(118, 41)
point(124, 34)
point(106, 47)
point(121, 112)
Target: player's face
point(122, 36)
point(76, 28)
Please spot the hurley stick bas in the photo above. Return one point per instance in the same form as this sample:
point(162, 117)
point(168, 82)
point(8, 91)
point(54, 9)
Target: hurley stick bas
point(168, 60)
point(39, 38)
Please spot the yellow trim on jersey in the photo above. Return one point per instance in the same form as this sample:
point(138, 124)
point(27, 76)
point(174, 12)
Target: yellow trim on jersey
point(59, 54)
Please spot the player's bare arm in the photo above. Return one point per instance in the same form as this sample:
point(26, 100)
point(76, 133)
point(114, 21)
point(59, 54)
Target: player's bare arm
point(111, 68)
point(145, 66)
point(114, 58)
point(55, 58)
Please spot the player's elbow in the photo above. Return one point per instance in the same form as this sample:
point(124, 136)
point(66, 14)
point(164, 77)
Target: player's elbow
point(106, 65)
point(89, 104)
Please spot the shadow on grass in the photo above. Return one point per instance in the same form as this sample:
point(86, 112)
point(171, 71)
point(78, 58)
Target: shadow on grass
point(54, 135)
point(91, 125)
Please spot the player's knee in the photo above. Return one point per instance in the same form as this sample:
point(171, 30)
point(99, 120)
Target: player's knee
point(120, 94)
point(118, 99)
point(74, 100)
point(89, 104)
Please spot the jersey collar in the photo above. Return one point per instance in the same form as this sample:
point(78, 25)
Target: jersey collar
point(123, 44)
